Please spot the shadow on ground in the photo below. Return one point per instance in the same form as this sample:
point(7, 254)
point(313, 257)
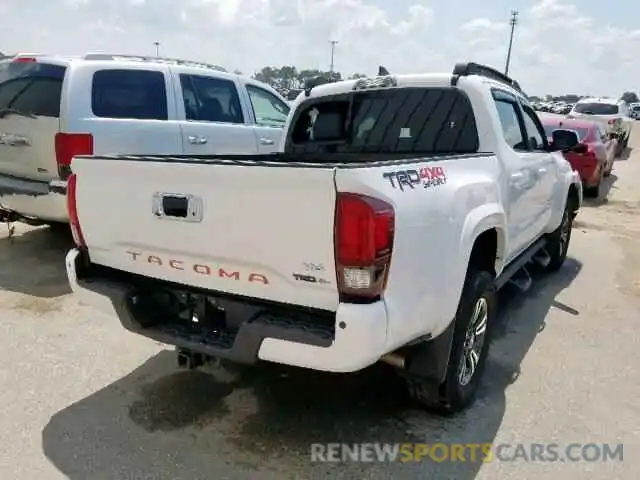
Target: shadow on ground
point(33, 261)
point(608, 184)
point(241, 422)
point(625, 155)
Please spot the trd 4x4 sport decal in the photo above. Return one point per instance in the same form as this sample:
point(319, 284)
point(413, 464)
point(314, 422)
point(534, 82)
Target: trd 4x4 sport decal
point(427, 176)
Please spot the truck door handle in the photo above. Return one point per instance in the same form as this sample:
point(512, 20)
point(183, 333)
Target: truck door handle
point(196, 140)
point(266, 141)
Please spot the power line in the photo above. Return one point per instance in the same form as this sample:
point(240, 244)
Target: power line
point(513, 21)
point(333, 51)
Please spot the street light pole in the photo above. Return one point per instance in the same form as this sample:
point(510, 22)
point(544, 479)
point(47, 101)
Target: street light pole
point(513, 22)
point(157, 44)
point(333, 51)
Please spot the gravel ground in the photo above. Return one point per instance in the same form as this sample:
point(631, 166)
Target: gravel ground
point(83, 399)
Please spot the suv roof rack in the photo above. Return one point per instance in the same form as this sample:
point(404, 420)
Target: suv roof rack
point(465, 69)
point(143, 58)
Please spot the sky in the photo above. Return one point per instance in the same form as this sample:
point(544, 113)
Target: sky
point(560, 46)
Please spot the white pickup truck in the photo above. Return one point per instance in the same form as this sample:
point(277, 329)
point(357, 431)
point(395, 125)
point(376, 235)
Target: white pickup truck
point(396, 208)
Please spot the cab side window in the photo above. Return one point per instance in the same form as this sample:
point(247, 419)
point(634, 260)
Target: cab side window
point(511, 121)
point(535, 132)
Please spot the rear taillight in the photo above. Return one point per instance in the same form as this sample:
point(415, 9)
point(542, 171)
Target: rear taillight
point(612, 121)
point(72, 208)
point(364, 230)
point(67, 146)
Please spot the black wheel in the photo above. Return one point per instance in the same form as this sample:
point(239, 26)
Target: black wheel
point(594, 191)
point(558, 241)
point(470, 347)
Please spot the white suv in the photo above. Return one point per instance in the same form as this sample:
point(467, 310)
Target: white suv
point(52, 108)
point(612, 114)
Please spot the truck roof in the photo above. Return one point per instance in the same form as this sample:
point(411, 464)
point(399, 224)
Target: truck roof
point(475, 75)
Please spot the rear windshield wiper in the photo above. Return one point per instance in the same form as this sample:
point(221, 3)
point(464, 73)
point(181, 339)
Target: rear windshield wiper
point(12, 111)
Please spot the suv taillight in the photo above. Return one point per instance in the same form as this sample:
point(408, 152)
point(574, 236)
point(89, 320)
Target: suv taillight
point(72, 208)
point(67, 146)
point(364, 231)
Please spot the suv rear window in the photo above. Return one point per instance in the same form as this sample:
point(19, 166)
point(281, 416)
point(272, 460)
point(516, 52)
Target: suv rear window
point(425, 121)
point(580, 131)
point(596, 108)
point(129, 94)
point(31, 88)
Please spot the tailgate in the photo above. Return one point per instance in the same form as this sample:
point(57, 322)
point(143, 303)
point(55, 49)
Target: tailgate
point(259, 231)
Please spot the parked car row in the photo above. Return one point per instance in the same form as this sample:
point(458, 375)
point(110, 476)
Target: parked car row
point(53, 108)
point(561, 108)
point(594, 154)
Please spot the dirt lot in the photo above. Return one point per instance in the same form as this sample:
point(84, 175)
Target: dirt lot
point(83, 399)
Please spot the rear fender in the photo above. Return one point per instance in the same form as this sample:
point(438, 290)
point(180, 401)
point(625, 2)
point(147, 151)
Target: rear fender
point(430, 359)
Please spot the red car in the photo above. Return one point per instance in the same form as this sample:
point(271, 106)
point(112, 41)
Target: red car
point(596, 160)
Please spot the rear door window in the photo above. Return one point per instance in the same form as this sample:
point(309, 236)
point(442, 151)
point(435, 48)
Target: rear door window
point(129, 94)
point(427, 121)
point(210, 99)
point(31, 88)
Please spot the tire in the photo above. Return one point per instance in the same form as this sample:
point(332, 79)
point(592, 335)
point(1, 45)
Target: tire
point(458, 390)
point(625, 143)
point(558, 241)
point(594, 191)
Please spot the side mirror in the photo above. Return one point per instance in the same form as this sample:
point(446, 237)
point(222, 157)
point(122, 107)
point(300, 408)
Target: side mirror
point(564, 140)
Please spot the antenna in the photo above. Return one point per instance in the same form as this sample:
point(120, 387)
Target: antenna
point(513, 21)
point(157, 44)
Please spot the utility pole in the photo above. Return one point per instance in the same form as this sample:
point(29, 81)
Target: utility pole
point(333, 51)
point(513, 21)
point(157, 44)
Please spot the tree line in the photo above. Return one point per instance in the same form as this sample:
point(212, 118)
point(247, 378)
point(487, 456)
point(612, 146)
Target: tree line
point(288, 80)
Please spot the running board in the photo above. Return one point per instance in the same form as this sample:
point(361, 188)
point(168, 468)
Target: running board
point(519, 263)
point(522, 280)
point(542, 258)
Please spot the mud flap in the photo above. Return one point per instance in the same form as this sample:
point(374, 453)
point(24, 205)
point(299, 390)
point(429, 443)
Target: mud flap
point(429, 360)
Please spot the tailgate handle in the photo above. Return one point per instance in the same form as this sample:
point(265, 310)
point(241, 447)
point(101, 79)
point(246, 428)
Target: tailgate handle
point(175, 206)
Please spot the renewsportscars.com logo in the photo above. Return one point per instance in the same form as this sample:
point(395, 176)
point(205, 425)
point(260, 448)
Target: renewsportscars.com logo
point(467, 452)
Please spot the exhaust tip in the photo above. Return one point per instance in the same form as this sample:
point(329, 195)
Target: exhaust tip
point(394, 359)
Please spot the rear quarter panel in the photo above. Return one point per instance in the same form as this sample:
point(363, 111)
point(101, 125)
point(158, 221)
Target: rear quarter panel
point(435, 229)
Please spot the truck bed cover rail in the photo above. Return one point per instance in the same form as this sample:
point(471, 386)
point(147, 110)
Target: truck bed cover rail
point(329, 160)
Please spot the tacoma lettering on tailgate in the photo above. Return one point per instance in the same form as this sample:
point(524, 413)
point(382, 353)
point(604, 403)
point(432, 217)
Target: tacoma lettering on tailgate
point(199, 268)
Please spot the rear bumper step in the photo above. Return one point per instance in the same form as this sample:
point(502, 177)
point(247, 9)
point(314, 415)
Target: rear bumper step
point(240, 330)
